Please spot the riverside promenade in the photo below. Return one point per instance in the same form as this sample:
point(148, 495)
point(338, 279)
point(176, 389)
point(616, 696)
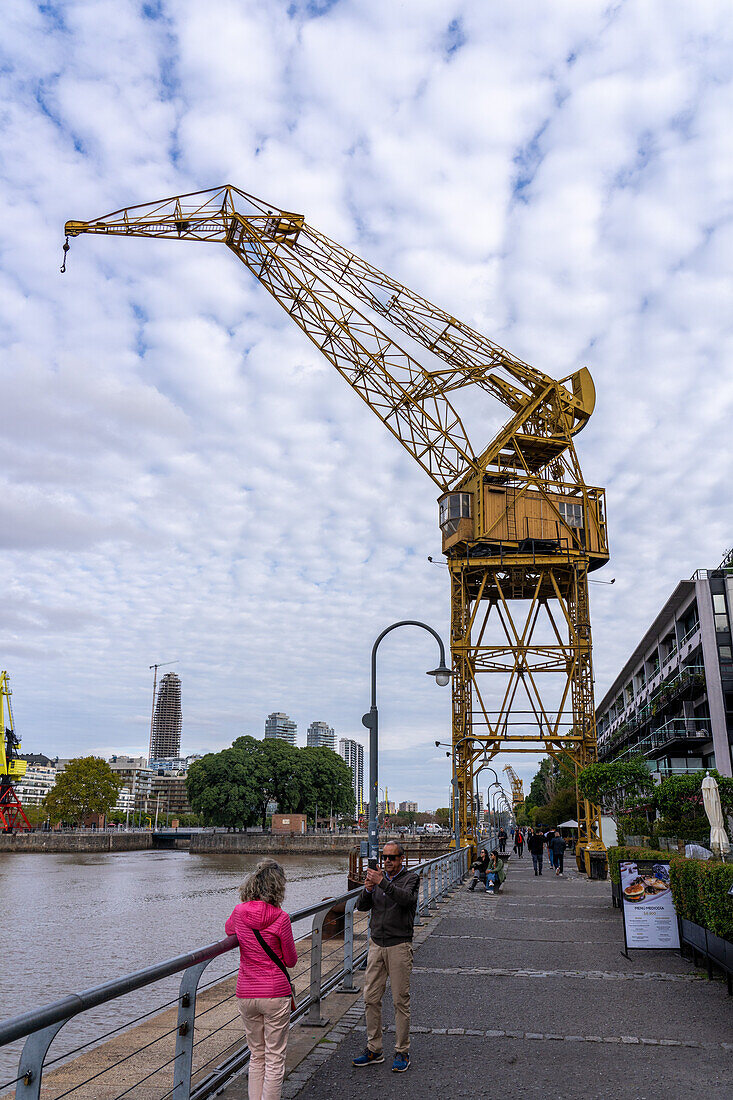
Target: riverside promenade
point(528, 994)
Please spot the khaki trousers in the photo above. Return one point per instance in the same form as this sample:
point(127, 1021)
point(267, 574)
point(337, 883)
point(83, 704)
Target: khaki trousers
point(266, 1025)
point(394, 963)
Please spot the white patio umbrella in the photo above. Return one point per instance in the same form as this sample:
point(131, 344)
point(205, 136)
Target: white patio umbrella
point(711, 800)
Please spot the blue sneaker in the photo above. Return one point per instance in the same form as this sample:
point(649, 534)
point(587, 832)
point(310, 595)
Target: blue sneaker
point(401, 1063)
point(368, 1058)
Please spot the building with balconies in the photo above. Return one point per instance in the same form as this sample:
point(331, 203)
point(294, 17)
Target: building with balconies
point(321, 736)
point(672, 702)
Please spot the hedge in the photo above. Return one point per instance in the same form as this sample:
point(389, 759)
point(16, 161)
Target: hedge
point(700, 891)
point(621, 854)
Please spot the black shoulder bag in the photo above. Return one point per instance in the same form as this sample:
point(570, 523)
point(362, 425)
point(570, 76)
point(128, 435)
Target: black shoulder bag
point(278, 963)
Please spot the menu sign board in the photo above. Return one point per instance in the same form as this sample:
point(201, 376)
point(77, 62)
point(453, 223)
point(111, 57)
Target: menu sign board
point(650, 920)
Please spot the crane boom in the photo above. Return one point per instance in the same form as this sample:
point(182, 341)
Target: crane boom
point(401, 392)
point(290, 258)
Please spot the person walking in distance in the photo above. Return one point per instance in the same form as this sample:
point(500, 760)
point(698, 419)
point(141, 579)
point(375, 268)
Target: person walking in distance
point(502, 839)
point(558, 851)
point(536, 844)
point(266, 949)
point(548, 839)
point(391, 896)
point(518, 843)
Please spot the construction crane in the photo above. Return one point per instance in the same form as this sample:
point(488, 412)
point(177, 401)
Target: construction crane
point(517, 786)
point(12, 767)
point(520, 528)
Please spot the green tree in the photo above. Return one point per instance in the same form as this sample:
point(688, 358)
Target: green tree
point(326, 781)
point(86, 786)
point(442, 816)
point(235, 786)
point(280, 775)
point(617, 785)
point(36, 815)
point(225, 787)
point(679, 801)
point(551, 797)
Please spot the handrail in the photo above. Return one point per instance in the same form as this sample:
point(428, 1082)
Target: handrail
point(18, 1026)
point(439, 875)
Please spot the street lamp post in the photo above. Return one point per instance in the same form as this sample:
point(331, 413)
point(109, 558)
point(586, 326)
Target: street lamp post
point(442, 676)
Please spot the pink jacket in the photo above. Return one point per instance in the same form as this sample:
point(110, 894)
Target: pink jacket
point(258, 976)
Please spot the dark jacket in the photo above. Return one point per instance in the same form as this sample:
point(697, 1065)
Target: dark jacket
point(558, 845)
point(536, 844)
point(392, 906)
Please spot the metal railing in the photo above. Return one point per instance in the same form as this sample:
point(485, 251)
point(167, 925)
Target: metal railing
point(40, 1026)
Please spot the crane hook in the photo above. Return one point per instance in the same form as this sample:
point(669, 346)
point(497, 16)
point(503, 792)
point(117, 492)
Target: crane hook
point(67, 246)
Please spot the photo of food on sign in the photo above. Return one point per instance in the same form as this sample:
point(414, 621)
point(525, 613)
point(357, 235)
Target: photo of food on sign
point(638, 885)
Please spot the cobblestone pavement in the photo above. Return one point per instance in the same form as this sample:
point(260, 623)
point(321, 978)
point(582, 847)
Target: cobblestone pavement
point(528, 994)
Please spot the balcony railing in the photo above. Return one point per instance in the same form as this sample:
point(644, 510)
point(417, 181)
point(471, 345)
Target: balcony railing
point(678, 729)
point(690, 634)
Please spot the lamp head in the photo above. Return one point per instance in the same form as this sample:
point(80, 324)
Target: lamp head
point(442, 675)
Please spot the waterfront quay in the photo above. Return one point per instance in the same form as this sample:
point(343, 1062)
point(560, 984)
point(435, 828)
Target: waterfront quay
point(527, 993)
point(523, 993)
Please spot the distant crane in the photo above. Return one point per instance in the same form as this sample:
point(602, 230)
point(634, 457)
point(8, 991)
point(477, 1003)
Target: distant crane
point(11, 766)
point(517, 786)
point(520, 528)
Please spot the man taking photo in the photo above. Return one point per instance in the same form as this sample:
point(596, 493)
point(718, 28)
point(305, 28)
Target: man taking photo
point(391, 896)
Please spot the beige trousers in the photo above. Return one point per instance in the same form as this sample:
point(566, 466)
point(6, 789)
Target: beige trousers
point(266, 1025)
point(394, 963)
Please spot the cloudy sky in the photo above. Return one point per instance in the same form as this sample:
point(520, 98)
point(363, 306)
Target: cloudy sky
point(183, 478)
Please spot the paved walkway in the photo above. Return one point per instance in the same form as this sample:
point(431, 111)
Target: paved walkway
point(527, 994)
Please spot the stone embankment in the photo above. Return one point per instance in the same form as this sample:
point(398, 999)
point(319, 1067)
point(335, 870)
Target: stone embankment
point(326, 844)
point(75, 842)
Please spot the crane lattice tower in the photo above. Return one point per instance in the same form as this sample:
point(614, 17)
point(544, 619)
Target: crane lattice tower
point(520, 528)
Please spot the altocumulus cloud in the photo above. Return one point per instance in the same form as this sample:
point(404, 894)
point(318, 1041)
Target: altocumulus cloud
point(183, 477)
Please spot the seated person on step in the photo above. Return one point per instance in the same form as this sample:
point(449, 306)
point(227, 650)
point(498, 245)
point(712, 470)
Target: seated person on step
point(479, 867)
point(495, 873)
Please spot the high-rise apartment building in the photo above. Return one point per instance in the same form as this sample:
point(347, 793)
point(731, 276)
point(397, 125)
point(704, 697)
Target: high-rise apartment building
point(165, 735)
point(280, 726)
point(353, 753)
point(672, 702)
point(321, 736)
point(408, 807)
point(39, 779)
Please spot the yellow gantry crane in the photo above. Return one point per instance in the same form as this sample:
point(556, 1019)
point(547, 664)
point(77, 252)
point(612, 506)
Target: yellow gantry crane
point(517, 786)
point(520, 528)
point(12, 767)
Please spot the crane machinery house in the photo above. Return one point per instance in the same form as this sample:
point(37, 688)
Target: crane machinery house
point(515, 515)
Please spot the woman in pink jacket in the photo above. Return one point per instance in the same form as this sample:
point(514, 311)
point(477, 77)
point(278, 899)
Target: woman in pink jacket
point(263, 988)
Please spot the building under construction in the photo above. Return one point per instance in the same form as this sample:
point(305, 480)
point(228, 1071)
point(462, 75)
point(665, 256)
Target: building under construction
point(165, 735)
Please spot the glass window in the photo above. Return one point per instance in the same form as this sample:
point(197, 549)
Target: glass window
point(571, 513)
point(721, 623)
point(726, 653)
point(719, 603)
point(454, 507)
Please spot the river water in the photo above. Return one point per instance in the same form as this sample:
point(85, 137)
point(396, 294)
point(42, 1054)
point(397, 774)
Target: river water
point(75, 921)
